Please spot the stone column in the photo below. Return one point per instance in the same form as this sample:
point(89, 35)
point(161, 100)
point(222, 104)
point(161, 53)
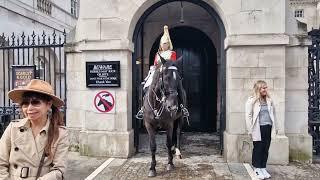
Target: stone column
point(296, 124)
point(317, 15)
point(251, 58)
point(94, 133)
point(100, 35)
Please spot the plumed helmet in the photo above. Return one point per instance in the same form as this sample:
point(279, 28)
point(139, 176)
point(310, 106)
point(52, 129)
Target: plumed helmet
point(166, 37)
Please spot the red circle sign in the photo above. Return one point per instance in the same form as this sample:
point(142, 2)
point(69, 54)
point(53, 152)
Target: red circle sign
point(104, 101)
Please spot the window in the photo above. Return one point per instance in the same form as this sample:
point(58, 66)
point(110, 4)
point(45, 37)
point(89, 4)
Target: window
point(298, 13)
point(44, 6)
point(74, 8)
point(40, 68)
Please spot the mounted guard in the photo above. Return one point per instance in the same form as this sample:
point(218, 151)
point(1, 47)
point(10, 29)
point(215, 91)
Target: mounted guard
point(166, 53)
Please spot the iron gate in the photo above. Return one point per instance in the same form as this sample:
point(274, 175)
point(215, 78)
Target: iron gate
point(314, 89)
point(45, 52)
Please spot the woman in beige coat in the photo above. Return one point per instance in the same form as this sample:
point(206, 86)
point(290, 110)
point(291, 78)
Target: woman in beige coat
point(261, 125)
point(35, 147)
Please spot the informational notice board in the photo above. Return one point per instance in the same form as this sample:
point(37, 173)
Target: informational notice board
point(22, 75)
point(103, 74)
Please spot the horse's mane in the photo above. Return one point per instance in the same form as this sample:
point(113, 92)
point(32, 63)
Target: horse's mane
point(156, 77)
point(157, 73)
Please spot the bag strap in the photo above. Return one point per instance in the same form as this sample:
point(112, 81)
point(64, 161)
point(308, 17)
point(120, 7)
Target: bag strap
point(41, 161)
point(41, 164)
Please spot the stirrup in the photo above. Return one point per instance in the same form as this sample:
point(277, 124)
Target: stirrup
point(185, 111)
point(140, 114)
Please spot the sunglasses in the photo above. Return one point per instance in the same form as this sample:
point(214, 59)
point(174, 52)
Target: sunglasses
point(33, 102)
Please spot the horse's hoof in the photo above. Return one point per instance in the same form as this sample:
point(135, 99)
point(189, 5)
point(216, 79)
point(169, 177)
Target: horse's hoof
point(152, 173)
point(179, 156)
point(170, 167)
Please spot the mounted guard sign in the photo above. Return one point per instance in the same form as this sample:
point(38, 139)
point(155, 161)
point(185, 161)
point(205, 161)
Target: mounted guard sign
point(104, 101)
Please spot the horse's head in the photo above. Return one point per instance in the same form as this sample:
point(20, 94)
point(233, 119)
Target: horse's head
point(168, 84)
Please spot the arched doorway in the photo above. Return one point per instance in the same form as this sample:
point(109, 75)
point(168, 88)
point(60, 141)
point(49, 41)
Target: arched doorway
point(199, 72)
point(211, 80)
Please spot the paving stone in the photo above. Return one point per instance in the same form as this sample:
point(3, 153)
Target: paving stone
point(222, 170)
point(237, 168)
point(113, 166)
point(201, 160)
point(80, 167)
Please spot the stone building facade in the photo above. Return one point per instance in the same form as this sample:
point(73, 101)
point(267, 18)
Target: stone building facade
point(248, 40)
point(17, 16)
point(307, 11)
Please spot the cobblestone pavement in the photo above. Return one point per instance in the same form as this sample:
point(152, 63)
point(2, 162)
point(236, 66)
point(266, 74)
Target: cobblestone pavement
point(80, 167)
point(295, 171)
point(201, 160)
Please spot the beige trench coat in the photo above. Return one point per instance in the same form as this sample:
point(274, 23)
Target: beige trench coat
point(21, 152)
point(252, 118)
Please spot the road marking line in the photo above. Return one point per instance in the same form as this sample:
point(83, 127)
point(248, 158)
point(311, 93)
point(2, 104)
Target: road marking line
point(250, 171)
point(99, 169)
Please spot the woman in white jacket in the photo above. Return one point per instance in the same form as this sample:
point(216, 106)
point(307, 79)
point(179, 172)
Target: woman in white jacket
point(261, 123)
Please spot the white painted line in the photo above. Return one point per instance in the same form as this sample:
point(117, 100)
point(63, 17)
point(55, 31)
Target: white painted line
point(250, 171)
point(99, 169)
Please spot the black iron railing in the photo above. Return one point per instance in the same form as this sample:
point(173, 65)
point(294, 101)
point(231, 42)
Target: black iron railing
point(314, 90)
point(45, 52)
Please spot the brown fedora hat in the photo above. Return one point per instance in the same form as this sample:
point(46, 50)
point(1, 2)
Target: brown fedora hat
point(38, 86)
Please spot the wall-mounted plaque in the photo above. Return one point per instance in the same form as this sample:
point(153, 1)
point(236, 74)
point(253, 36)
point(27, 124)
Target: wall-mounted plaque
point(103, 74)
point(22, 75)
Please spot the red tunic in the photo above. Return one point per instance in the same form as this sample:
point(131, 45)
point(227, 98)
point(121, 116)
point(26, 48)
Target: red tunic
point(167, 55)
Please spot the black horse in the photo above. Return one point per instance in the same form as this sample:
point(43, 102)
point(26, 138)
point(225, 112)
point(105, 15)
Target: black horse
point(162, 109)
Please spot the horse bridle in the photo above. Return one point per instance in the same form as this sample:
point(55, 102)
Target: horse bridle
point(163, 89)
point(163, 92)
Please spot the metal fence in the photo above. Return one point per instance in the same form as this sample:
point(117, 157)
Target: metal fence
point(45, 52)
point(314, 90)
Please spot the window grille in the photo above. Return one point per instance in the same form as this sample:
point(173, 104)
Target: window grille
point(299, 13)
point(44, 6)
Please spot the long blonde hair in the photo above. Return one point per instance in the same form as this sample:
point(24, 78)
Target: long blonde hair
point(256, 90)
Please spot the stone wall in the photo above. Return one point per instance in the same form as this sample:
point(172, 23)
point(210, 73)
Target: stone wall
point(258, 46)
point(246, 65)
point(93, 133)
point(296, 124)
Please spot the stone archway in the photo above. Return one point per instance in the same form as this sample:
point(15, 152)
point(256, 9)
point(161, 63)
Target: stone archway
point(138, 71)
point(199, 73)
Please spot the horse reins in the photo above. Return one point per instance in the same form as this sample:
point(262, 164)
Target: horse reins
point(163, 91)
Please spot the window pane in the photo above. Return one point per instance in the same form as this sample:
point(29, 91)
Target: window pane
point(299, 13)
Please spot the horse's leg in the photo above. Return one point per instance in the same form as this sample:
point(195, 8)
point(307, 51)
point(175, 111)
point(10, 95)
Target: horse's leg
point(170, 165)
point(178, 138)
point(153, 148)
point(174, 137)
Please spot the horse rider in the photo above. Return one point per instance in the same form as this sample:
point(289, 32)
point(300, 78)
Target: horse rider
point(166, 52)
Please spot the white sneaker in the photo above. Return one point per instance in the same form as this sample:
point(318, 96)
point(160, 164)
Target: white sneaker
point(258, 173)
point(265, 173)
